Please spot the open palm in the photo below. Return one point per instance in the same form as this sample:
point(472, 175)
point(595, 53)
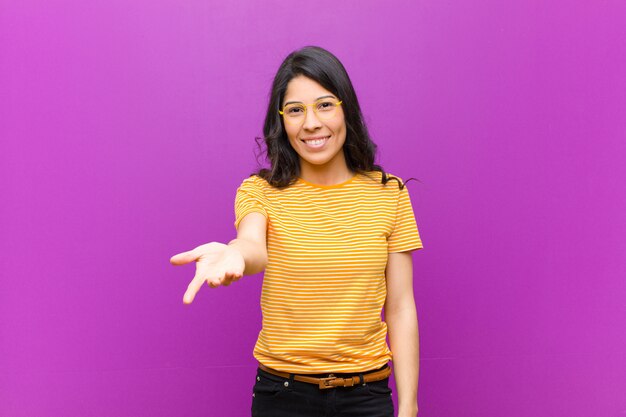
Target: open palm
point(216, 264)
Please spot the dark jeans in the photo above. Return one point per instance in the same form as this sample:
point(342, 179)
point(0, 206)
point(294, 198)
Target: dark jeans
point(274, 396)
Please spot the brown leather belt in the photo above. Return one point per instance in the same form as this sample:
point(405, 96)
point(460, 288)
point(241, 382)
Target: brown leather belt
point(332, 381)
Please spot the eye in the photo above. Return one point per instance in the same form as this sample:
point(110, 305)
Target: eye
point(326, 105)
point(294, 110)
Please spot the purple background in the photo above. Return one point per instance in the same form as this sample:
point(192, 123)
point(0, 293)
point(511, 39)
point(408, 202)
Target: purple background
point(126, 128)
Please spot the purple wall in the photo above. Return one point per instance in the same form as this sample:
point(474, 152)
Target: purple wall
point(126, 128)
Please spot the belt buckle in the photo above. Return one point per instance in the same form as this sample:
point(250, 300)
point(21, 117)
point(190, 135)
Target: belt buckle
point(325, 382)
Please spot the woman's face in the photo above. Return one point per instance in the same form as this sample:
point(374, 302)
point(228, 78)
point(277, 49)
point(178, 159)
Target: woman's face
point(313, 154)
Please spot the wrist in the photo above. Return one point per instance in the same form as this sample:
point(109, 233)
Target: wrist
point(408, 411)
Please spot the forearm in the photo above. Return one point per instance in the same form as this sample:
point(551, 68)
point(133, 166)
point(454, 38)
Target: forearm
point(254, 255)
point(404, 344)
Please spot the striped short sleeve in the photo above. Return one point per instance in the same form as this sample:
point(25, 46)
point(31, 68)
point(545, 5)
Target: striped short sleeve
point(405, 235)
point(250, 198)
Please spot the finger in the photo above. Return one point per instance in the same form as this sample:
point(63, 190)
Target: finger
point(214, 280)
point(230, 277)
point(184, 258)
point(220, 277)
point(192, 289)
point(189, 295)
point(226, 279)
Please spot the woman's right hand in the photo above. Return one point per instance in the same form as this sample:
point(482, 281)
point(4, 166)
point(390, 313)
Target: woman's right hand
point(216, 264)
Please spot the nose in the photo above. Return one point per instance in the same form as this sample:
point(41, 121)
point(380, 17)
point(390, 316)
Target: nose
point(311, 121)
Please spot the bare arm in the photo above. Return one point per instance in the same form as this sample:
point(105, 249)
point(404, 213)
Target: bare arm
point(401, 318)
point(219, 264)
point(251, 242)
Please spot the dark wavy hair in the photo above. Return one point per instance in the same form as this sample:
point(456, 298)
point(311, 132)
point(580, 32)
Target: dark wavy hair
point(323, 67)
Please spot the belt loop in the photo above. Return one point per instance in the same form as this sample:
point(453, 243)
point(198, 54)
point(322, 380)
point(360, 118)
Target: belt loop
point(291, 377)
point(362, 379)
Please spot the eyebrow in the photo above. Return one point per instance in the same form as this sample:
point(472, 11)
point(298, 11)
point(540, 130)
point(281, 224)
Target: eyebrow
point(299, 102)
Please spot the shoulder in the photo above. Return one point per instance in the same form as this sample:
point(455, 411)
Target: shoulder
point(393, 181)
point(254, 182)
point(253, 186)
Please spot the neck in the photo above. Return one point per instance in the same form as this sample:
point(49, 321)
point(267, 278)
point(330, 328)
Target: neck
point(325, 175)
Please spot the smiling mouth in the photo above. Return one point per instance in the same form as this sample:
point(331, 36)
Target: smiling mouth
point(316, 142)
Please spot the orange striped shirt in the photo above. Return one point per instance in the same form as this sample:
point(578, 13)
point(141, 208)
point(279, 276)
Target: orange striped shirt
point(324, 284)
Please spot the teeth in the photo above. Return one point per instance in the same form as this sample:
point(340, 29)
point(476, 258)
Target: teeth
point(316, 141)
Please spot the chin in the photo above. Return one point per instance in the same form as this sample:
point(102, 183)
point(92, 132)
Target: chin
point(318, 162)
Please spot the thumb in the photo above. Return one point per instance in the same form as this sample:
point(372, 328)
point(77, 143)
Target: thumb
point(184, 258)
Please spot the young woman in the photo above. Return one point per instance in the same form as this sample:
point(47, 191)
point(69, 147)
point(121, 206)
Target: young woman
point(334, 236)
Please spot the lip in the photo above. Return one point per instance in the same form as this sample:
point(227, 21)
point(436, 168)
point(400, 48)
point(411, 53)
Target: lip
point(316, 148)
point(315, 137)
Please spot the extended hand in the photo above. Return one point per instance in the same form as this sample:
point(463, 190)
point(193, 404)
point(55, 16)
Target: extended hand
point(216, 263)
